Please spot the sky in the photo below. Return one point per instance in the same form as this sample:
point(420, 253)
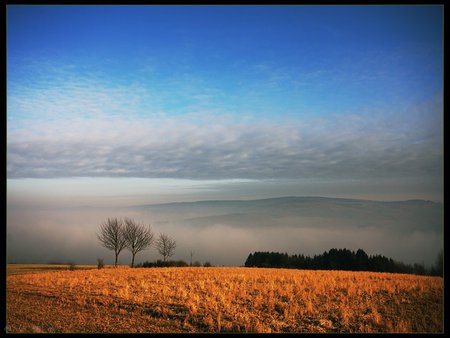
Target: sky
point(114, 106)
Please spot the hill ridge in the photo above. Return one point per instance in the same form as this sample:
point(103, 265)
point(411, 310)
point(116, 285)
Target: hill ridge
point(280, 198)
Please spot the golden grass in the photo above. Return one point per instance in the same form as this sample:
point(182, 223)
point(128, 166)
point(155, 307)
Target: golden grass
point(14, 269)
point(195, 299)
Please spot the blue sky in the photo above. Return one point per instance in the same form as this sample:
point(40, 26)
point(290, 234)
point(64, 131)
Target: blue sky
point(268, 60)
point(321, 94)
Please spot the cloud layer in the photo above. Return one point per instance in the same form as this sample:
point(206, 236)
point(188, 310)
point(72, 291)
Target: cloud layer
point(71, 122)
point(344, 146)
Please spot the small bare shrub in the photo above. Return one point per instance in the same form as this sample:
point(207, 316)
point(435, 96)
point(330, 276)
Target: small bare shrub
point(100, 264)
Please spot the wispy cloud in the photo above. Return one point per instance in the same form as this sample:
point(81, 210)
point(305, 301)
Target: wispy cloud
point(220, 148)
point(68, 123)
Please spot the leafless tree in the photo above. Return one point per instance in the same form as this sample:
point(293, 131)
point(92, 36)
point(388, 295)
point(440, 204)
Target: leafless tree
point(111, 236)
point(166, 246)
point(137, 237)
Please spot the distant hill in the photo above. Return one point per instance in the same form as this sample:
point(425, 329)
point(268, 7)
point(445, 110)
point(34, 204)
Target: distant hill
point(315, 212)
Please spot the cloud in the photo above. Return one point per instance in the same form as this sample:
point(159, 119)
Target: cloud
point(72, 124)
point(222, 148)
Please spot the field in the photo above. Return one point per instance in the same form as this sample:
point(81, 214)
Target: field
point(15, 269)
point(222, 299)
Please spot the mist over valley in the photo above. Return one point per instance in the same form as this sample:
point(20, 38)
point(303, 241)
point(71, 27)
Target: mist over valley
point(224, 232)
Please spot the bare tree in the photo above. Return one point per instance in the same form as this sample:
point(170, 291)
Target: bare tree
point(111, 236)
point(166, 246)
point(137, 237)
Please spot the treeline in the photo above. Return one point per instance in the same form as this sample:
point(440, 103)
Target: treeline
point(341, 259)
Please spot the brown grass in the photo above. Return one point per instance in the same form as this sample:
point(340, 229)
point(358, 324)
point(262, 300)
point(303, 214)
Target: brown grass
point(15, 269)
point(195, 299)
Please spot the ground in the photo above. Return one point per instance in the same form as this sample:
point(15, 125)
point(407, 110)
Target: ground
point(225, 299)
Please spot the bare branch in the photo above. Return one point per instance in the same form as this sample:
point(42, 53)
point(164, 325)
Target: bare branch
point(166, 246)
point(111, 236)
point(137, 237)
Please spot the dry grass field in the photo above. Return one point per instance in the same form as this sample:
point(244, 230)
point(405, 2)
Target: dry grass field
point(197, 299)
point(15, 269)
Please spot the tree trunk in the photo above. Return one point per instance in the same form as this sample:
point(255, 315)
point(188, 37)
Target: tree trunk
point(132, 261)
point(115, 263)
